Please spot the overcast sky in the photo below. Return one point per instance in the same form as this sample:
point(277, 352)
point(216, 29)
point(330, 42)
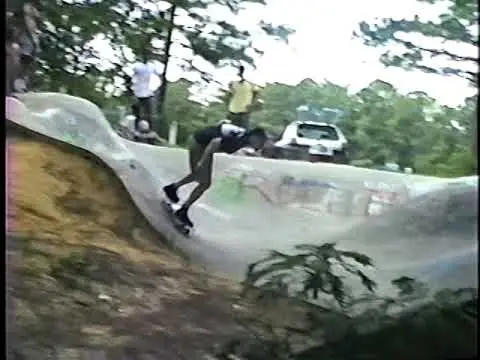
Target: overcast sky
point(323, 47)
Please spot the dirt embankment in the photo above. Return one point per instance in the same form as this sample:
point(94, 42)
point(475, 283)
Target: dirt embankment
point(87, 273)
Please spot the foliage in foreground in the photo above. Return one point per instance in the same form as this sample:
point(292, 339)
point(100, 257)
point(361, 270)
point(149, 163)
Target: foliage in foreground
point(338, 323)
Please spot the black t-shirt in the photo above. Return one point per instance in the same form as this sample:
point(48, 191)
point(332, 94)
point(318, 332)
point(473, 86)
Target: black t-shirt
point(232, 137)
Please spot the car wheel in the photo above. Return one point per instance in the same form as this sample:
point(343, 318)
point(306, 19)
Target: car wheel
point(341, 157)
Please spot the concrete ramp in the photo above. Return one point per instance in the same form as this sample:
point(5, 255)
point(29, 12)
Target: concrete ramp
point(257, 204)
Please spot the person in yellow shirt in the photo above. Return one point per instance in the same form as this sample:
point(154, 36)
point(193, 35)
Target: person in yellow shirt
point(242, 100)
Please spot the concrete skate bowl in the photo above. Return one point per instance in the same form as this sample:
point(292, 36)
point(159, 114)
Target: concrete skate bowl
point(256, 205)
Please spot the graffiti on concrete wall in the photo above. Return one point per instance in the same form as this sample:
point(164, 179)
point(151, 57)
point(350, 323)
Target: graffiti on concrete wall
point(229, 189)
point(382, 196)
point(369, 198)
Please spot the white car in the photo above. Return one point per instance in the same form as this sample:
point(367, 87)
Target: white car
point(314, 138)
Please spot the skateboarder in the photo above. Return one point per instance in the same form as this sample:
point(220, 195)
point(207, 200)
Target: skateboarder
point(223, 138)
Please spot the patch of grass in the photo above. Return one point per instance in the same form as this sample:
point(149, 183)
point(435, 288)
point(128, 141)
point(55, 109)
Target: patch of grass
point(73, 270)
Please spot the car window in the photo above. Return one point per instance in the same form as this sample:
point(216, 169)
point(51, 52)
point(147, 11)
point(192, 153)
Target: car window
point(317, 132)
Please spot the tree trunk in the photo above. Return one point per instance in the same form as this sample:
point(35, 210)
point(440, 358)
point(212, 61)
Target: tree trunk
point(162, 92)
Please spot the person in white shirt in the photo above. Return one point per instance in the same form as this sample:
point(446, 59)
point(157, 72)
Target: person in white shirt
point(24, 38)
point(13, 61)
point(145, 82)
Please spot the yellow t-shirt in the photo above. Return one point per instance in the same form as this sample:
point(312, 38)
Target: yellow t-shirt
point(242, 96)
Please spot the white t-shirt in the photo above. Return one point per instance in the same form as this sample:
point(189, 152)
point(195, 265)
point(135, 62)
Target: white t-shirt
point(145, 79)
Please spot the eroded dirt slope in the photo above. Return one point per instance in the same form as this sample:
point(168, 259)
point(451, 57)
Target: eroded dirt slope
point(87, 273)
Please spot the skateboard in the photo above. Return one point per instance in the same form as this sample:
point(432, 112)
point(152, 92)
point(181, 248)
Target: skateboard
point(177, 223)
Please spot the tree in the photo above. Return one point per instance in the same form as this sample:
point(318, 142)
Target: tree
point(382, 124)
point(132, 29)
point(455, 26)
point(186, 113)
point(281, 102)
point(454, 31)
point(336, 323)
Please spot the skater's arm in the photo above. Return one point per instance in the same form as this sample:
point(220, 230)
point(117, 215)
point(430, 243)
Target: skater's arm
point(211, 149)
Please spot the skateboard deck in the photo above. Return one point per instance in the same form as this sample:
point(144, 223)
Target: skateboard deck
point(179, 225)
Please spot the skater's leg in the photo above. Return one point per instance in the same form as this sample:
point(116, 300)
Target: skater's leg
point(194, 154)
point(182, 213)
point(204, 179)
point(196, 194)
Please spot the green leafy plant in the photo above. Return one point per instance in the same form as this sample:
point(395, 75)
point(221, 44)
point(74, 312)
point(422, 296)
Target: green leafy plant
point(320, 269)
point(336, 323)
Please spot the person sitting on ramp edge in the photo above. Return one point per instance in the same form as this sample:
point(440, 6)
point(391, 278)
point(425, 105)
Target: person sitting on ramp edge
point(143, 133)
point(223, 138)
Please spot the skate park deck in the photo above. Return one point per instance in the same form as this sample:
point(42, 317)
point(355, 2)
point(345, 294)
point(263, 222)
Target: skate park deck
point(257, 204)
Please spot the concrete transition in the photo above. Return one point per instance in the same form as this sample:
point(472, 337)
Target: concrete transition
point(257, 204)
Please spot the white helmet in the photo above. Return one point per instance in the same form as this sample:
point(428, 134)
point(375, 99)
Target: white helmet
point(143, 125)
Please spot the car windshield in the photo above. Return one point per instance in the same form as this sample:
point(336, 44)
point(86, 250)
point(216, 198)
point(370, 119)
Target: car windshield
point(317, 132)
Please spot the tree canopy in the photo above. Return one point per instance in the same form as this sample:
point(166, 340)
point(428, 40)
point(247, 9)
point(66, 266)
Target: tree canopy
point(452, 37)
point(380, 123)
point(132, 29)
